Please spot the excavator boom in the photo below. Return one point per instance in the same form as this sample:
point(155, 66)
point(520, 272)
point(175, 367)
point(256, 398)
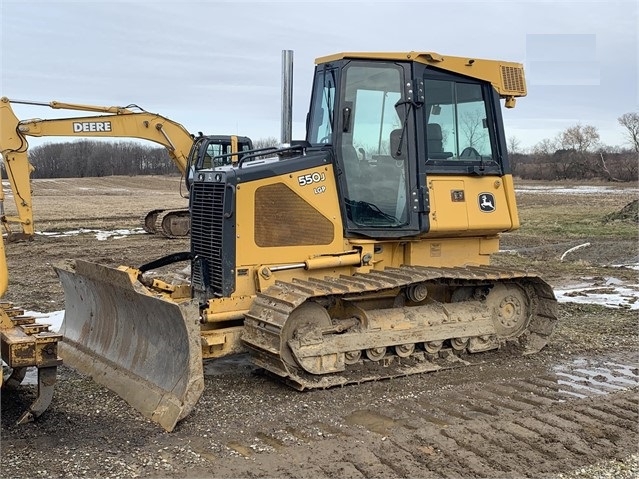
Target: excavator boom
point(109, 122)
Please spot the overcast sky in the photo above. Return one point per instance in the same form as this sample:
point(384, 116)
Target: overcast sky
point(215, 66)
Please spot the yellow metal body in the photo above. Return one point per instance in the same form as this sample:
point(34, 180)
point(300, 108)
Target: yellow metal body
point(270, 248)
point(317, 248)
point(115, 122)
point(506, 77)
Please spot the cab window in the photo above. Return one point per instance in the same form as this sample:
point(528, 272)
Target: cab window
point(371, 114)
point(457, 126)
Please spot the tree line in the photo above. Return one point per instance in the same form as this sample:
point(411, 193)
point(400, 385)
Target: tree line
point(578, 154)
point(575, 153)
point(94, 158)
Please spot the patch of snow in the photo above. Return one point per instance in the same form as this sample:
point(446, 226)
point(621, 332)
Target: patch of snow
point(629, 266)
point(100, 235)
point(614, 293)
point(577, 190)
point(53, 318)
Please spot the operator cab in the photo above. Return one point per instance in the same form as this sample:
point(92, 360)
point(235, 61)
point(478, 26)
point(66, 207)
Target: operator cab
point(211, 151)
point(392, 124)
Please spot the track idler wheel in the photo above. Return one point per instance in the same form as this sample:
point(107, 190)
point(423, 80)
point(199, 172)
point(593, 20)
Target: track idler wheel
point(376, 354)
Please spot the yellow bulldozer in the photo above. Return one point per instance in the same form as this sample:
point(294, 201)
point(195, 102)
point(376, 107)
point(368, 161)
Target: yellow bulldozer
point(187, 151)
point(360, 253)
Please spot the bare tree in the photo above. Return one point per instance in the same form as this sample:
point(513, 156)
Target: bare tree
point(472, 126)
point(271, 141)
point(581, 138)
point(543, 166)
point(630, 121)
point(96, 158)
point(514, 154)
point(577, 156)
point(514, 145)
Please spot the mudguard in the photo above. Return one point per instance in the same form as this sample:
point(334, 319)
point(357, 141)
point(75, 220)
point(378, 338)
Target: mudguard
point(145, 348)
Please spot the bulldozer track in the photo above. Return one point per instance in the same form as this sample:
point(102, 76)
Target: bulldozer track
point(516, 428)
point(265, 324)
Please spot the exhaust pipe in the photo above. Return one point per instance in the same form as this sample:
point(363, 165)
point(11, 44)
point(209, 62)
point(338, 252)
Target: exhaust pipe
point(287, 98)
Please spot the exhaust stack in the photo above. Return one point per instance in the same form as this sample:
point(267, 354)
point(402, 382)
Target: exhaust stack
point(287, 98)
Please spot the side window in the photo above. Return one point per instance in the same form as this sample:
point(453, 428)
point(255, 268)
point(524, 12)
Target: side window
point(473, 124)
point(456, 121)
point(321, 122)
point(212, 150)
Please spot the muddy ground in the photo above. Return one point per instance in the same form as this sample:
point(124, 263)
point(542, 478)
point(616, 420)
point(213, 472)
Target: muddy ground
point(569, 411)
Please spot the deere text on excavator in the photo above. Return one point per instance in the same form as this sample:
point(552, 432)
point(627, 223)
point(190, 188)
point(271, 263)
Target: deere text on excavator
point(360, 253)
point(187, 151)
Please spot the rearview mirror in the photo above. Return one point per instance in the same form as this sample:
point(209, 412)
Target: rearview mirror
point(397, 145)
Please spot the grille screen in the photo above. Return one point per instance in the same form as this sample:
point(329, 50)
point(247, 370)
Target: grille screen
point(513, 79)
point(207, 222)
point(282, 218)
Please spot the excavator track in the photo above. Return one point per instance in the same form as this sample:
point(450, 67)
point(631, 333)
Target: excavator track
point(320, 333)
point(149, 219)
point(173, 223)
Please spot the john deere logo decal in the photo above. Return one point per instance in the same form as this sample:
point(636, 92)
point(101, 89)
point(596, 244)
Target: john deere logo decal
point(486, 202)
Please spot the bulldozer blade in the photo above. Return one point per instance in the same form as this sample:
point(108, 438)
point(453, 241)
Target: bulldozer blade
point(144, 348)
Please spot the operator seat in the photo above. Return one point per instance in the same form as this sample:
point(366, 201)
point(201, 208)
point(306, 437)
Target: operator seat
point(434, 142)
point(355, 173)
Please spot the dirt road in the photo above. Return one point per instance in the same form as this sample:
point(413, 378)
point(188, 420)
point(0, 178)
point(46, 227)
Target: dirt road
point(561, 411)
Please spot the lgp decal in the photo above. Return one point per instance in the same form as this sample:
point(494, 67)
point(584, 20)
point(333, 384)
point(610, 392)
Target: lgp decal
point(486, 202)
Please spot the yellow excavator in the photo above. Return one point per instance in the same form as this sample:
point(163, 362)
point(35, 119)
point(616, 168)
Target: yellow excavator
point(360, 253)
point(184, 148)
point(25, 344)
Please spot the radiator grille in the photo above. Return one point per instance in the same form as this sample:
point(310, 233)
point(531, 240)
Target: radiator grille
point(513, 79)
point(207, 238)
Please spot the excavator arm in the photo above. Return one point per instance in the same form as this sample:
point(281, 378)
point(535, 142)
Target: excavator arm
point(114, 122)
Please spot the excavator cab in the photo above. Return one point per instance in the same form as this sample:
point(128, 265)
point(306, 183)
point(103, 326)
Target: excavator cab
point(213, 151)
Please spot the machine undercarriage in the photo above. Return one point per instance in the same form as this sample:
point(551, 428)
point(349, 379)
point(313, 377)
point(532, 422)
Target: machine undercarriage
point(318, 333)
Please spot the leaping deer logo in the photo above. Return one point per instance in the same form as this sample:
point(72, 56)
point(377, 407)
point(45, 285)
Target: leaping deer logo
point(486, 202)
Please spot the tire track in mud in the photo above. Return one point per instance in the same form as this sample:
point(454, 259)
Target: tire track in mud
point(576, 413)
